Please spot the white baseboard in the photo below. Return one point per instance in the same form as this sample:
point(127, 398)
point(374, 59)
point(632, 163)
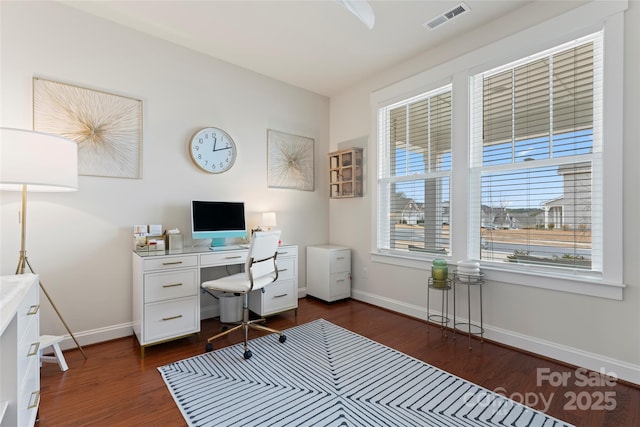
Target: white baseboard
point(95, 336)
point(572, 356)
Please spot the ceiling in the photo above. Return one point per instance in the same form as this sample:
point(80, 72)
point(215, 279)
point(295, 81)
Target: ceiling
point(316, 45)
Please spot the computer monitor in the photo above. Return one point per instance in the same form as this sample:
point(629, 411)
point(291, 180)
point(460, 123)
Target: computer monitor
point(217, 221)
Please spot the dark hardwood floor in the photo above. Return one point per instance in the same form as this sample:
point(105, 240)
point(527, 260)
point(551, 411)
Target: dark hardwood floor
point(116, 387)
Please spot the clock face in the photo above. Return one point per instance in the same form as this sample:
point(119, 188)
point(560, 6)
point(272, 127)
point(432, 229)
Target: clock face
point(213, 150)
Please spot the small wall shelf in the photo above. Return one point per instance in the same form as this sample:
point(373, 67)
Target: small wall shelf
point(345, 173)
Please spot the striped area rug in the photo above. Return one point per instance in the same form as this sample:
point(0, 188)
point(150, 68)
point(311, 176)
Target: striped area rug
point(325, 375)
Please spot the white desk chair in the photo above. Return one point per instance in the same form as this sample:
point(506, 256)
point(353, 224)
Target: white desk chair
point(260, 270)
point(53, 341)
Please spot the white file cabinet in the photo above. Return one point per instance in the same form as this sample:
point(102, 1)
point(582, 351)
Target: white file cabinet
point(329, 272)
point(19, 345)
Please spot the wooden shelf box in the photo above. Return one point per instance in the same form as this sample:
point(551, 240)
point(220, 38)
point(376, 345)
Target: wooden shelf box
point(345, 173)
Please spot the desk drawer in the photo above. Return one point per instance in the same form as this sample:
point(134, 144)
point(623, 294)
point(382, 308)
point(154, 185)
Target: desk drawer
point(165, 263)
point(170, 284)
point(223, 258)
point(277, 297)
point(286, 269)
point(287, 251)
point(170, 319)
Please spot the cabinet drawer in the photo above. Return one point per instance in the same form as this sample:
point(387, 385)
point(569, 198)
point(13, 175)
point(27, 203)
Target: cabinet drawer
point(223, 258)
point(28, 346)
point(29, 397)
point(28, 310)
point(169, 319)
point(279, 296)
point(340, 261)
point(340, 285)
point(286, 268)
point(165, 263)
point(170, 284)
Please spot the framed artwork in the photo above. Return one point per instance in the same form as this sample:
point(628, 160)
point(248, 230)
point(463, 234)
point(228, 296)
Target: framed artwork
point(289, 161)
point(107, 127)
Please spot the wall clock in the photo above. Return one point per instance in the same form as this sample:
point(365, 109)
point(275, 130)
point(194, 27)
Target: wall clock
point(213, 150)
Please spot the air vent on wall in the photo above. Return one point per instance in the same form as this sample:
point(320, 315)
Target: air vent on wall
point(447, 16)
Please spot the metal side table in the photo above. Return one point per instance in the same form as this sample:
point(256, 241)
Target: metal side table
point(443, 318)
point(468, 280)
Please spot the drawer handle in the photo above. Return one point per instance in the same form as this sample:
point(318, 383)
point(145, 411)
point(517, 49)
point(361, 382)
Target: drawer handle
point(340, 257)
point(172, 263)
point(340, 280)
point(34, 400)
point(172, 317)
point(280, 296)
point(284, 269)
point(172, 285)
point(33, 310)
point(33, 349)
point(283, 253)
point(233, 257)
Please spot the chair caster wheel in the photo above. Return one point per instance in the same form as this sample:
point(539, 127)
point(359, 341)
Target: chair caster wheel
point(224, 328)
point(248, 354)
point(282, 338)
point(208, 347)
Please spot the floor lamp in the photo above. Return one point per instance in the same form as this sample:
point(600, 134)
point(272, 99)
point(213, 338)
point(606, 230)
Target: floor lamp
point(38, 162)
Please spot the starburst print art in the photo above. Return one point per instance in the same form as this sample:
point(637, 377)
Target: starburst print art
point(107, 127)
point(290, 161)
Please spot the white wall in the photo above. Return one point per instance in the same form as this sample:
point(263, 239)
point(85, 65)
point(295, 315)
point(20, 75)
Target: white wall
point(80, 243)
point(586, 331)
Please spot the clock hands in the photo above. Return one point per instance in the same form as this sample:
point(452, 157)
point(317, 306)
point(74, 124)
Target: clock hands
point(215, 141)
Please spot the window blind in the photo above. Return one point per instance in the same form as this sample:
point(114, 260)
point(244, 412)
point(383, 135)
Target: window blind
point(536, 150)
point(414, 174)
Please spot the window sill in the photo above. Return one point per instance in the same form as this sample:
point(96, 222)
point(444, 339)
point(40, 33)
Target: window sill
point(582, 285)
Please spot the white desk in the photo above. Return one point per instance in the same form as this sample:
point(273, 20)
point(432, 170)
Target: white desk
point(166, 289)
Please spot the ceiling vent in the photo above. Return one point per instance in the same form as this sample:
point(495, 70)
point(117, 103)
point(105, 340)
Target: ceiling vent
point(447, 16)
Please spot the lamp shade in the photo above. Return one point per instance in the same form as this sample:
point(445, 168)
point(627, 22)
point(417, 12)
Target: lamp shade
point(269, 219)
point(41, 161)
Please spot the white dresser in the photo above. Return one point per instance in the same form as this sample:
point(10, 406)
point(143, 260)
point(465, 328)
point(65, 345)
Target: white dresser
point(329, 272)
point(19, 356)
point(166, 290)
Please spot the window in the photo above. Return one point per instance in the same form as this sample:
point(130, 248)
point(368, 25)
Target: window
point(414, 174)
point(525, 171)
point(536, 145)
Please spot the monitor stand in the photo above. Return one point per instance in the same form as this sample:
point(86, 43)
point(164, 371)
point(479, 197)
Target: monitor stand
point(217, 242)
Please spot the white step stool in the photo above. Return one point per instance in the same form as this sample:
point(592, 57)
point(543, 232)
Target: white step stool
point(53, 341)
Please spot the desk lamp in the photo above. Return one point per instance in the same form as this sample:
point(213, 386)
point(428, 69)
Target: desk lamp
point(268, 220)
point(34, 161)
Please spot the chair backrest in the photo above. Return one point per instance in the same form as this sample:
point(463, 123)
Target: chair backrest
point(263, 249)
